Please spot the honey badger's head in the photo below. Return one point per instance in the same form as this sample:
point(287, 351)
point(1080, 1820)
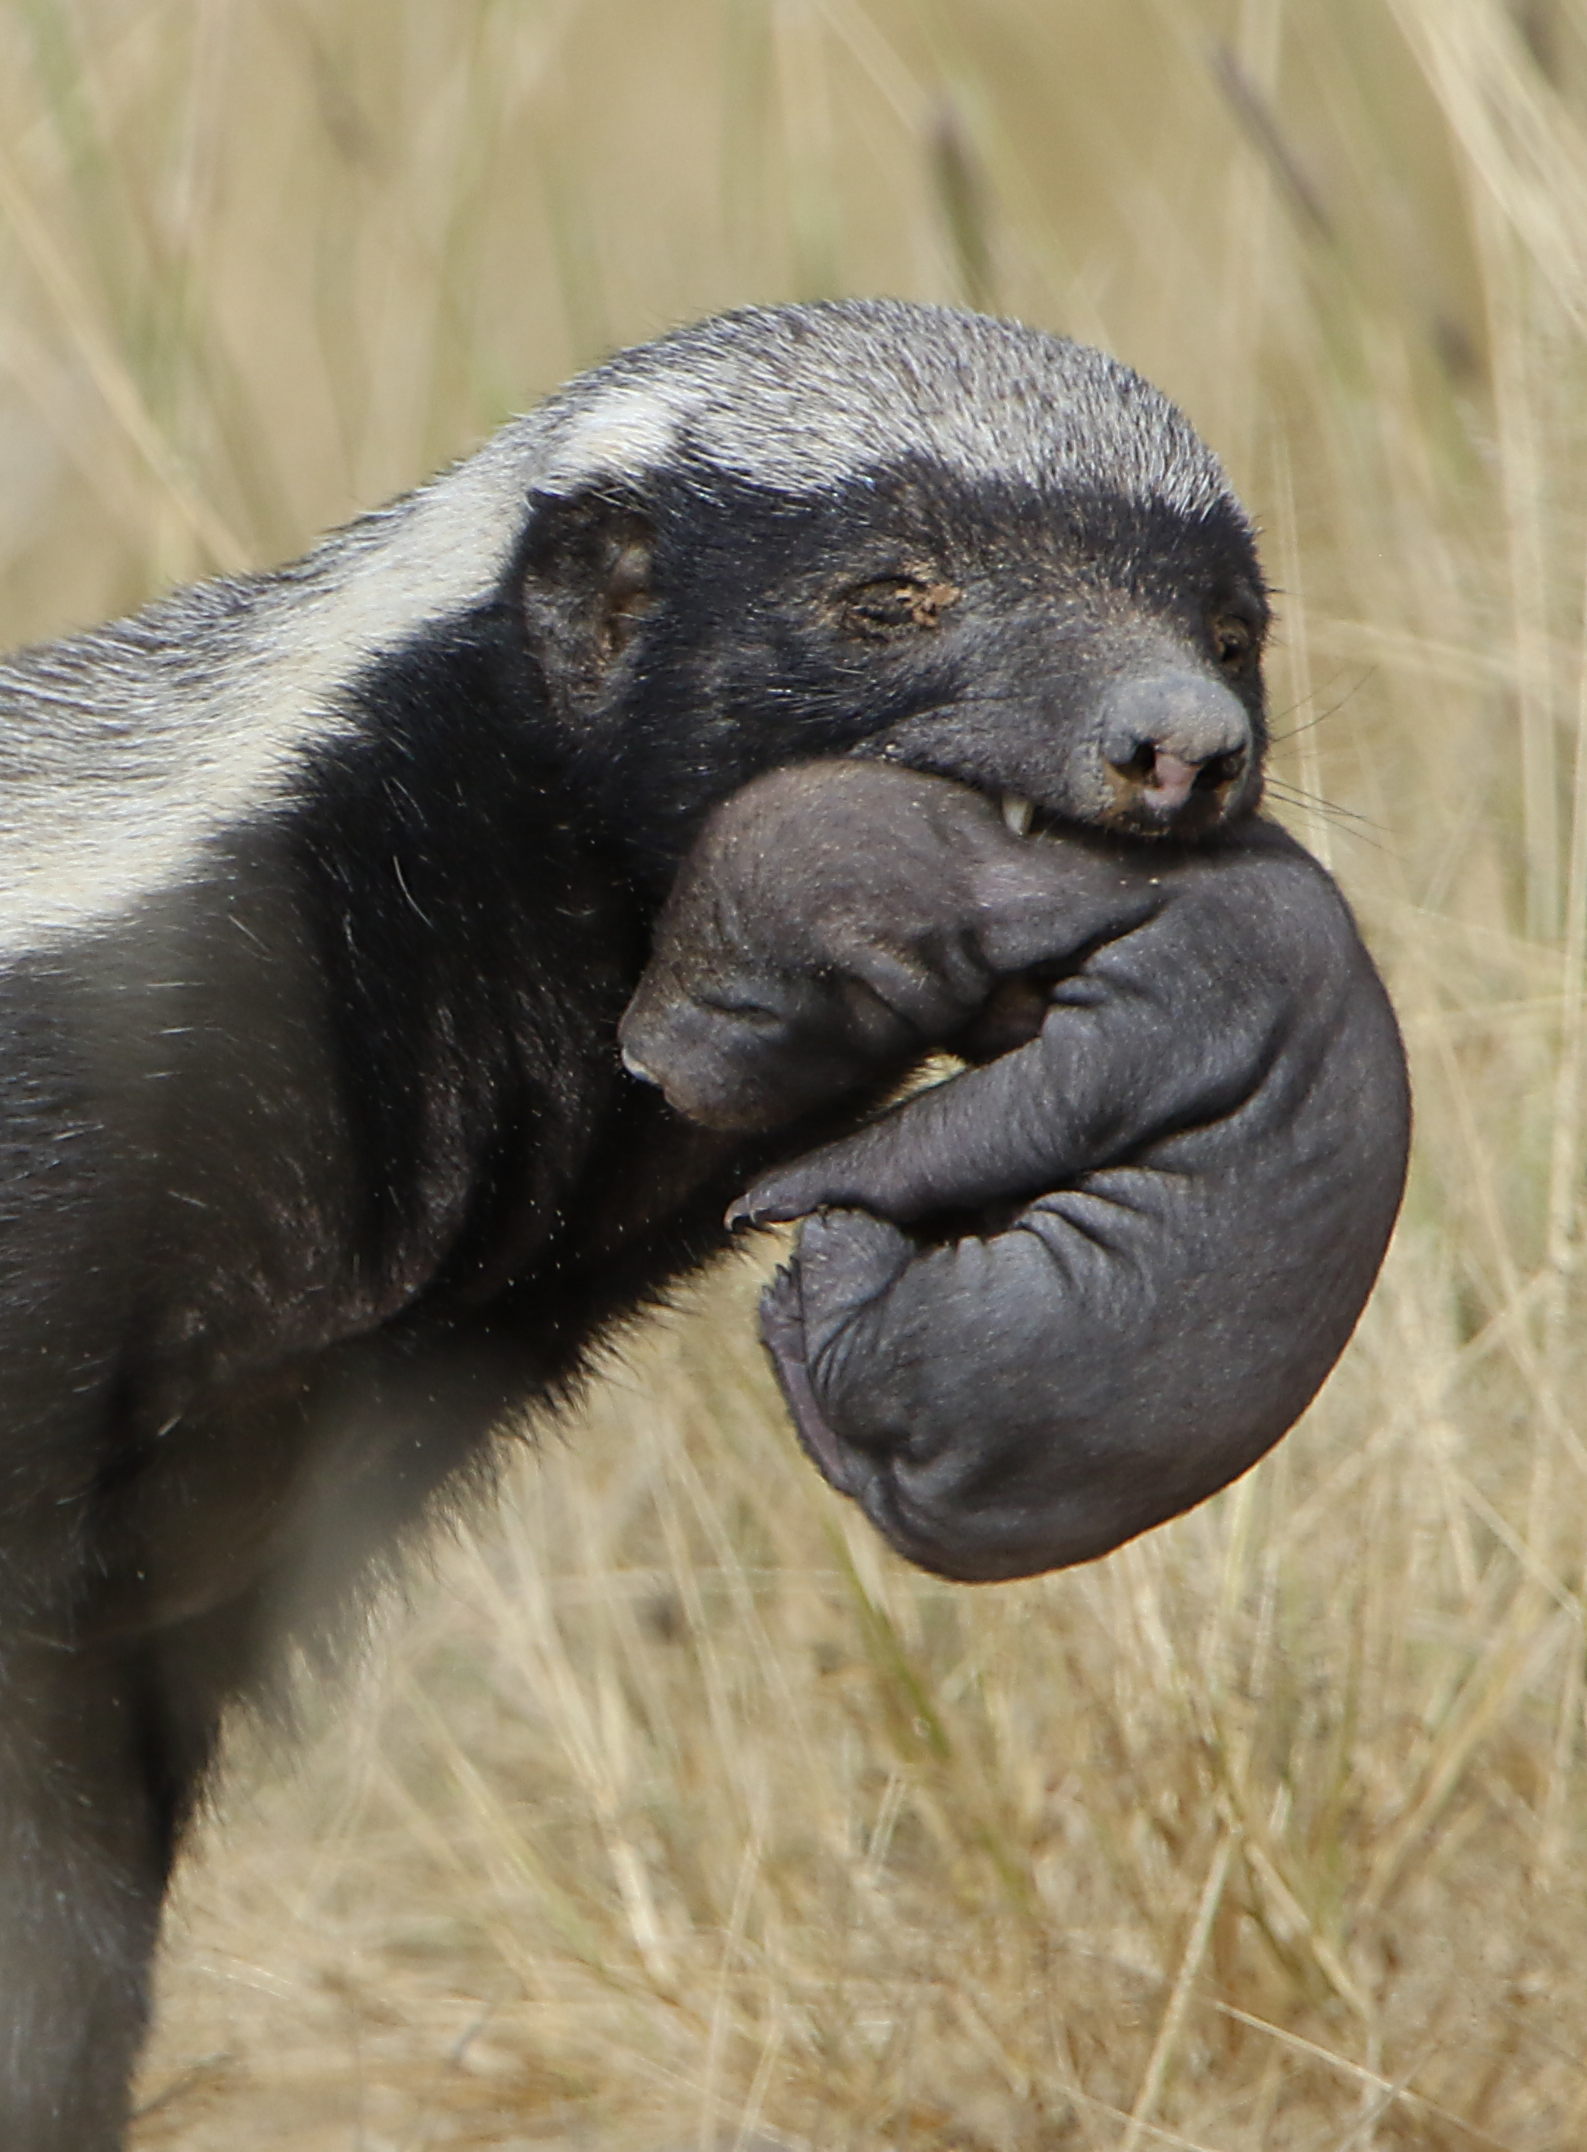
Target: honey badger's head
point(891, 530)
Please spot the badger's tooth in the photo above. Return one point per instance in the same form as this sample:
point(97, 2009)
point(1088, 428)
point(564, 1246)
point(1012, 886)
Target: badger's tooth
point(1018, 813)
point(636, 1067)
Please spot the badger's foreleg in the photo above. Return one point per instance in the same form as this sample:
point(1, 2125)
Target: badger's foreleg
point(102, 1750)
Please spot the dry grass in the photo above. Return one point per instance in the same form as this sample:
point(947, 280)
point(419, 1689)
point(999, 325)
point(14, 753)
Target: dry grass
point(674, 1811)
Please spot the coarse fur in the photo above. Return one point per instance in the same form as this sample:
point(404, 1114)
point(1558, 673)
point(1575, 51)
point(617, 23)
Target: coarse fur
point(1062, 1296)
point(321, 895)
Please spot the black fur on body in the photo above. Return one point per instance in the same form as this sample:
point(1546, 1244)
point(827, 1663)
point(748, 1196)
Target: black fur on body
point(1070, 1293)
point(321, 895)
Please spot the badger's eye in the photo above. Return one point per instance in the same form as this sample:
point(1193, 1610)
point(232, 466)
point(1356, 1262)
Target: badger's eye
point(1233, 640)
point(894, 605)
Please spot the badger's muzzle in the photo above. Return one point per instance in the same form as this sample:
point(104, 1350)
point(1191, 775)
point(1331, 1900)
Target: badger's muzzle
point(1176, 748)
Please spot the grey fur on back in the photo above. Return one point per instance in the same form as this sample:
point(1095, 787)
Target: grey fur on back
point(127, 750)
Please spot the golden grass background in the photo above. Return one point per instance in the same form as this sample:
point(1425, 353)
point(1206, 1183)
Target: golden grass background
point(672, 1813)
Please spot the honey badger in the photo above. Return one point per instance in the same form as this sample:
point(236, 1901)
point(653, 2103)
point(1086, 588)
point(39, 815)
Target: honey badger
point(322, 892)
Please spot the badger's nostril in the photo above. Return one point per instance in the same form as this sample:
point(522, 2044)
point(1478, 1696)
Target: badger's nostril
point(1166, 777)
point(1220, 770)
point(1139, 761)
point(1170, 780)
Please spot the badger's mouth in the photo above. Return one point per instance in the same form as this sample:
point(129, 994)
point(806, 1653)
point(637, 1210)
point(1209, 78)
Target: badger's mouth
point(1194, 810)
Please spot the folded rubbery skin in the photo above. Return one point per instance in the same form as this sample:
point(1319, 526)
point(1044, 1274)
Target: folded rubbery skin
point(1070, 1293)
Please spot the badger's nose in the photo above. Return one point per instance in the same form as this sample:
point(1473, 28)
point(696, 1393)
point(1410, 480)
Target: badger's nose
point(1172, 740)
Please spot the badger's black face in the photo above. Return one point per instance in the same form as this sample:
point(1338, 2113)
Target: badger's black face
point(1094, 656)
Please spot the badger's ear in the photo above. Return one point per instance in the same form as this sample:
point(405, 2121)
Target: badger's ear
point(585, 585)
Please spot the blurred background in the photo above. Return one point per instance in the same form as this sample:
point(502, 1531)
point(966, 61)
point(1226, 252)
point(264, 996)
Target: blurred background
point(670, 1811)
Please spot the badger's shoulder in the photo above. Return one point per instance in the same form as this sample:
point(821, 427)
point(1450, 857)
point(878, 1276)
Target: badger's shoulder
point(127, 750)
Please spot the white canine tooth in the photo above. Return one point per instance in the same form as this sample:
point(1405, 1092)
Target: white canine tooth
point(1018, 813)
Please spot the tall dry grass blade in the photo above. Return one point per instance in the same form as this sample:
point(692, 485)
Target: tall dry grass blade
point(1168, 2032)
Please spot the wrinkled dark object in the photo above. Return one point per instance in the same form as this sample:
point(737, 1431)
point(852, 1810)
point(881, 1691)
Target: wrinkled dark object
point(1063, 1296)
